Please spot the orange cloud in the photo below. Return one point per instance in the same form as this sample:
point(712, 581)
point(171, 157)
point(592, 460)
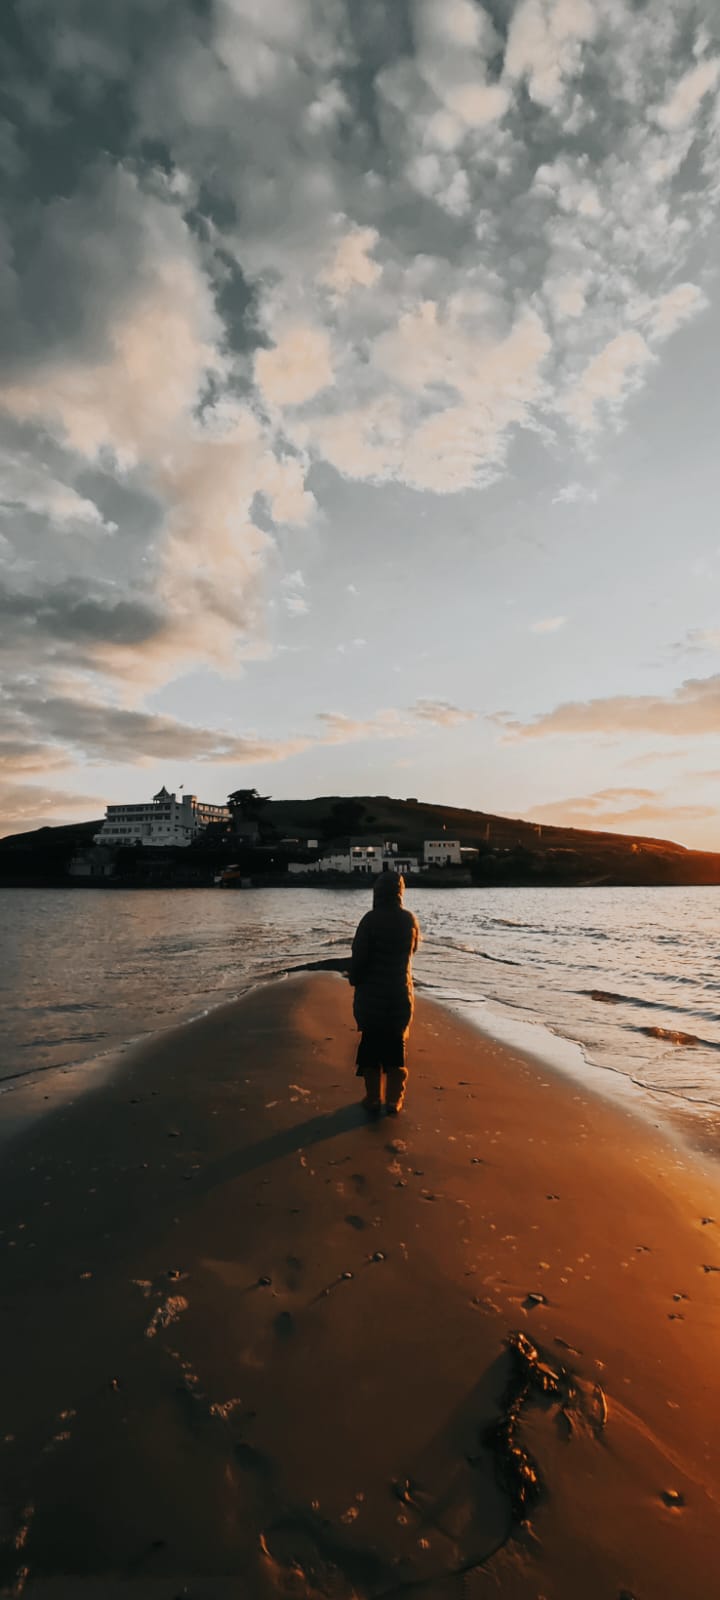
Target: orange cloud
point(26, 805)
point(627, 810)
point(693, 709)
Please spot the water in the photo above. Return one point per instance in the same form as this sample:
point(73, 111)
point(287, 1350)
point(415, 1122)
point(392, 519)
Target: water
point(628, 975)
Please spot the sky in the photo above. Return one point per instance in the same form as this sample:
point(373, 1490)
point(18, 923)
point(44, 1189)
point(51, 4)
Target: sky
point(359, 411)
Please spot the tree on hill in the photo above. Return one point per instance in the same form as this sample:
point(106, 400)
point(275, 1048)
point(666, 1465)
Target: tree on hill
point(246, 804)
point(246, 807)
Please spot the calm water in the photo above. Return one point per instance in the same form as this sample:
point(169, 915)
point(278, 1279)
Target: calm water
point(617, 971)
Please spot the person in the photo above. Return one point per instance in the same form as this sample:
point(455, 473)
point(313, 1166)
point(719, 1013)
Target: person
point(381, 975)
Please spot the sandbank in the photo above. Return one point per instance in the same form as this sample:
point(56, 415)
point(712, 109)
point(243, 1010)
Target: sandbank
point(254, 1345)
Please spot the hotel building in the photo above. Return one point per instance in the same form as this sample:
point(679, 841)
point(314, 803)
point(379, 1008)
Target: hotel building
point(162, 820)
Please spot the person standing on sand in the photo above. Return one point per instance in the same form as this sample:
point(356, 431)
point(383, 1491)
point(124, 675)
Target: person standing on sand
point(380, 973)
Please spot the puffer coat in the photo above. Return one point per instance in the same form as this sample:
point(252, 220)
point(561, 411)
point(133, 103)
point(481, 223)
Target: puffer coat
point(380, 968)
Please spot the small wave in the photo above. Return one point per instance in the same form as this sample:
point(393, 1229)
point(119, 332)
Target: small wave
point(54, 1041)
point(470, 950)
point(71, 1007)
point(610, 998)
point(676, 1036)
point(475, 1000)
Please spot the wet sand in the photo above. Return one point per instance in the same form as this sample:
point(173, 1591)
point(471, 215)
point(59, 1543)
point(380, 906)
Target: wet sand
point(254, 1345)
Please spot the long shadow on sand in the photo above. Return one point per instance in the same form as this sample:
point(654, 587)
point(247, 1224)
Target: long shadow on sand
point(286, 1143)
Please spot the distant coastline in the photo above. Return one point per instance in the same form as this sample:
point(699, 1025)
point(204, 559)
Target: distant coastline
point(280, 843)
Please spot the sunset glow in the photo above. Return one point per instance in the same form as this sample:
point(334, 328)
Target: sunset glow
point(359, 407)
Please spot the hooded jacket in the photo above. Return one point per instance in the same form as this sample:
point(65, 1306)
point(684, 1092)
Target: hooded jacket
point(380, 968)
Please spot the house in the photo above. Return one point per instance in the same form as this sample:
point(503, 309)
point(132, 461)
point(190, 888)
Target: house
point(379, 855)
point(164, 820)
point(442, 853)
point(362, 857)
point(367, 855)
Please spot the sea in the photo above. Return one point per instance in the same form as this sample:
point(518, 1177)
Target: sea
point(617, 987)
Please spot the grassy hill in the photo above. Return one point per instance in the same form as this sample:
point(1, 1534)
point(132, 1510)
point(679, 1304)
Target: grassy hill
point(510, 850)
point(563, 854)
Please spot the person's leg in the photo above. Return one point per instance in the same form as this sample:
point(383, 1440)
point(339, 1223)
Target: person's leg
point(368, 1066)
point(395, 1092)
point(372, 1101)
point(396, 1075)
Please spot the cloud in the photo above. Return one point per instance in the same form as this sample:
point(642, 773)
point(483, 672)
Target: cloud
point(131, 391)
point(548, 625)
point(99, 732)
point(391, 723)
point(245, 243)
point(627, 810)
point(567, 294)
point(28, 484)
point(293, 599)
point(651, 757)
point(27, 806)
point(351, 646)
point(490, 380)
point(352, 266)
point(697, 640)
point(40, 731)
point(686, 98)
point(545, 46)
point(72, 613)
point(339, 728)
point(575, 193)
point(608, 379)
point(297, 368)
point(574, 494)
point(453, 46)
point(22, 755)
point(693, 710)
point(441, 712)
point(670, 311)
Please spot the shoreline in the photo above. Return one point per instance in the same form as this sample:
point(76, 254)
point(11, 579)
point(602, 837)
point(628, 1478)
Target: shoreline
point(695, 1123)
point(222, 1237)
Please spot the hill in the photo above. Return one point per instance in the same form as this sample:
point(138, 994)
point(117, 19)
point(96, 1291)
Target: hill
point(510, 850)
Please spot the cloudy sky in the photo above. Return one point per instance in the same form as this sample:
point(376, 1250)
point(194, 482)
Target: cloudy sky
point(359, 411)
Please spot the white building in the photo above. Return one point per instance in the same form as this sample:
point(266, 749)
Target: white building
point(366, 858)
point(381, 856)
point(442, 853)
point(162, 820)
